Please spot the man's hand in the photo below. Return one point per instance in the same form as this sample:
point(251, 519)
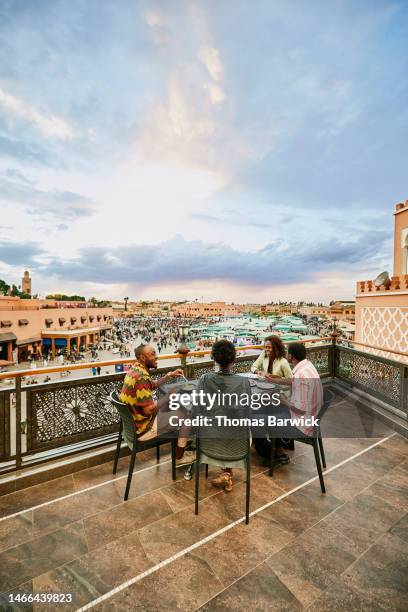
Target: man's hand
point(175, 373)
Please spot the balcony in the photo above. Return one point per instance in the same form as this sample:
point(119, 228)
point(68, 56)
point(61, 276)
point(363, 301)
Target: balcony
point(64, 527)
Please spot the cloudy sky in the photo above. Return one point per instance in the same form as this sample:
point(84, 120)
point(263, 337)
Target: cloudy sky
point(245, 150)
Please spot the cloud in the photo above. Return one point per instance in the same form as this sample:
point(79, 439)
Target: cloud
point(229, 220)
point(155, 19)
point(16, 188)
point(50, 126)
point(215, 93)
point(17, 254)
point(171, 261)
point(25, 150)
point(211, 59)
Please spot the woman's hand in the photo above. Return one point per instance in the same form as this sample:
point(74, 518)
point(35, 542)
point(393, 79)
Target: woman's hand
point(271, 376)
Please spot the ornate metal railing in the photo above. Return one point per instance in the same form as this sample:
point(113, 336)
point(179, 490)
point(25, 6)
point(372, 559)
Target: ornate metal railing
point(63, 416)
point(384, 379)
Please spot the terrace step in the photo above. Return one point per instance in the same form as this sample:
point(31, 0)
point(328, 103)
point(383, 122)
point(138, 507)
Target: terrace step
point(32, 475)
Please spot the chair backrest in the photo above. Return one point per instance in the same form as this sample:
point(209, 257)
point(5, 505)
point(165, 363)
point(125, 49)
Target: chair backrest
point(128, 423)
point(225, 449)
point(224, 442)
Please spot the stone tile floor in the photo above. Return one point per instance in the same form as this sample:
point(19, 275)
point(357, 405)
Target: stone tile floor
point(343, 550)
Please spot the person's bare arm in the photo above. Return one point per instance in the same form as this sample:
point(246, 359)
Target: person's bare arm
point(167, 377)
point(287, 403)
point(150, 409)
point(278, 379)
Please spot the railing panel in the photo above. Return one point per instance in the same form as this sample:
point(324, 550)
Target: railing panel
point(71, 411)
point(380, 377)
point(321, 357)
point(66, 412)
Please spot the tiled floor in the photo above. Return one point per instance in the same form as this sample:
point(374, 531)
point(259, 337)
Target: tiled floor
point(343, 550)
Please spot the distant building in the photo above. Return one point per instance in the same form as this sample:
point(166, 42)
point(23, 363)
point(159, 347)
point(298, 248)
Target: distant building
point(206, 309)
point(382, 312)
point(27, 327)
point(26, 283)
point(343, 310)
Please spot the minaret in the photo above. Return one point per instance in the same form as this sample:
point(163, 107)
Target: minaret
point(26, 283)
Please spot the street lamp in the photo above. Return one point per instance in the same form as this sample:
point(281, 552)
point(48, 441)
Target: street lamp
point(183, 349)
point(126, 299)
point(335, 333)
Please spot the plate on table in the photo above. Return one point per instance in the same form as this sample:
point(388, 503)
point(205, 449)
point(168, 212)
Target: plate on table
point(186, 387)
point(265, 384)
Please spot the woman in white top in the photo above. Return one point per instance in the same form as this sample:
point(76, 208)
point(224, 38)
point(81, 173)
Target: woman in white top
point(272, 361)
point(272, 364)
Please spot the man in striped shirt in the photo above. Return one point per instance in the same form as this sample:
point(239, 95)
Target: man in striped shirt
point(307, 389)
point(307, 392)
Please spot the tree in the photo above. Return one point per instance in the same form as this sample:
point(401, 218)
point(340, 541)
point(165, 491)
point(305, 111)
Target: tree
point(4, 287)
point(66, 298)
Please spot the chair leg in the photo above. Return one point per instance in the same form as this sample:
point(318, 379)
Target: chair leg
point(322, 450)
point(117, 454)
point(173, 458)
point(206, 470)
point(197, 476)
point(318, 465)
point(248, 486)
point(131, 468)
point(158, 453)
point(196, 486)
point(272, 456)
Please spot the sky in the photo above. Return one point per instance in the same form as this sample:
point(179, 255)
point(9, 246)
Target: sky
point(245, 150)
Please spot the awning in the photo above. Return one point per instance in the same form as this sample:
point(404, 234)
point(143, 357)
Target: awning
point(91, 317)
point(57, 342)
point(6, 323)
point(73, 319)
point(23, 321)
point(28, 341)
point(61, 320)
point(8, 337)
point(83, 319)
point(49, 321)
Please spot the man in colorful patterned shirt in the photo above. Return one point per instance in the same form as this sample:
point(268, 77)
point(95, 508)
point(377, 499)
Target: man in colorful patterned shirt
point(137, 393)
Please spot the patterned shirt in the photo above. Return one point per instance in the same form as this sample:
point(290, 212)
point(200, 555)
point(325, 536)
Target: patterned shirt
point(307, 392)
point(137, 393)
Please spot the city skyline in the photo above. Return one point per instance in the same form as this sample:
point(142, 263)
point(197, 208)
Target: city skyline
point(179, 150)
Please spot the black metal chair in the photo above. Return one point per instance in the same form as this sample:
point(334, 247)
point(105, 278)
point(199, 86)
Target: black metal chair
point(225, 449)
point(127, 432)
point(314, 440)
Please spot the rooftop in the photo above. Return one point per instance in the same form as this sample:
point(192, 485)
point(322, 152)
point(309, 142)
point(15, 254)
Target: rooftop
point(302, 549)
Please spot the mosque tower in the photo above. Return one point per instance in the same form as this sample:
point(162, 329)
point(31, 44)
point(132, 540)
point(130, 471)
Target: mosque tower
point(26, 283)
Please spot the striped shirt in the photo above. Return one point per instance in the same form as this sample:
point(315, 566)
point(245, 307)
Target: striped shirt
point(137, 393)
point(307, 392)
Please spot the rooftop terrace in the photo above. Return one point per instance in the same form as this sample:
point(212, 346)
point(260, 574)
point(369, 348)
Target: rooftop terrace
point(302, 549)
